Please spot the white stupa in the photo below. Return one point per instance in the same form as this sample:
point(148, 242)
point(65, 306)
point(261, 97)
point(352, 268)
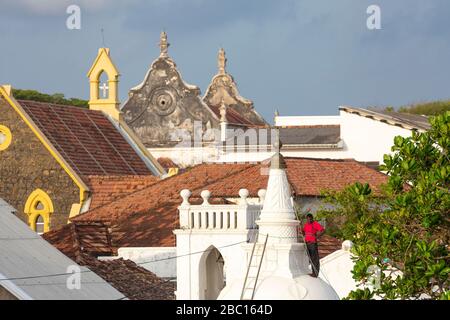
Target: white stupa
point(284, 273)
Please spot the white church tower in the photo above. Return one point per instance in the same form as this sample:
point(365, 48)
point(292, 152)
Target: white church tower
point(216, 261)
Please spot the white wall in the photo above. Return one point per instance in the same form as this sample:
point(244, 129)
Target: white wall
point(191, 270)
point(147, 258)
point(336, 269)
point(366, 139)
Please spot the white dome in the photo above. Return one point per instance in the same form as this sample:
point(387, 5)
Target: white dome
point(303, 287)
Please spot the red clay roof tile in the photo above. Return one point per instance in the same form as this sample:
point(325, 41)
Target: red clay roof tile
point(148, 217)
point(106, 189)
point(167, 163)
point(86, 139)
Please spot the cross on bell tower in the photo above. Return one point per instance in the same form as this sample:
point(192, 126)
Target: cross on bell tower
point(104, 90)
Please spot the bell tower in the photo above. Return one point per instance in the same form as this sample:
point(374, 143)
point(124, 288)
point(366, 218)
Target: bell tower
point(104, 84)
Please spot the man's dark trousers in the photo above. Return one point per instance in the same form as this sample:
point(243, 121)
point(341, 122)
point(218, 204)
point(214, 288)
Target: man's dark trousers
point(313, 251)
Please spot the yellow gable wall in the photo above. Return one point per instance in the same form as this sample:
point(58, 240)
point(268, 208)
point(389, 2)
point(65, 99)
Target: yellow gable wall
point(31, 163)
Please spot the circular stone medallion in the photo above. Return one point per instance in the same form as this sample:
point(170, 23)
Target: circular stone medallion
point(163, 101)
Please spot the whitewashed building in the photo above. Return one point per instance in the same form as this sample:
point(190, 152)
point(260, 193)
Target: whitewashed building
point(360, 134)
point(245, 251)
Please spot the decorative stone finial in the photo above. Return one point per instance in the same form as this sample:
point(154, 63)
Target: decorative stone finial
point(223, 111)
point(243, 193)
point(185, 194)
point(164, 45)
point(222, 61)
point(347, 245)
point(262, 195)
point(206, 194)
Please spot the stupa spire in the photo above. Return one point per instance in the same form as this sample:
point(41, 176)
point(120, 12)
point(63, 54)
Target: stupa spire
point(277, 217)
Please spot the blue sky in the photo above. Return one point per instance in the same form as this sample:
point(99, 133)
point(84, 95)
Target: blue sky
point(302, 57)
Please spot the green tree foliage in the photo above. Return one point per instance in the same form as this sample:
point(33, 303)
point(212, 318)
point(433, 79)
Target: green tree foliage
point(429, 109)
point(406, 228)
point(54, 98)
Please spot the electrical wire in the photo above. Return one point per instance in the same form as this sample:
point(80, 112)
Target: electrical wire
point(165, 259)
point(141, 263)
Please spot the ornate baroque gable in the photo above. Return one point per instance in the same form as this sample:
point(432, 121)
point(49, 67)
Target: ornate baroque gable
point(224, 88)
point(163, 103)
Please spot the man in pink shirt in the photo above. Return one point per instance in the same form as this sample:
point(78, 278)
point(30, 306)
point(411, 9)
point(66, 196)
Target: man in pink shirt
point(312, 230)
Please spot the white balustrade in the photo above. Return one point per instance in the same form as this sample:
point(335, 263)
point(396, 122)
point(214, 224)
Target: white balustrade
point(217, 217)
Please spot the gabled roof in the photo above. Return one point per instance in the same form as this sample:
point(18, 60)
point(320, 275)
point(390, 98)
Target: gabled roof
point(404, 120)
point(86, 139)
point(147, 217)
point(30, 264)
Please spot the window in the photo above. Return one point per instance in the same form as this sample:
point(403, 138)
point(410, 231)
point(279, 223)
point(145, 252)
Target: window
point(103, 88)
point(39, 225)
point(5, 138)
point(39, 208)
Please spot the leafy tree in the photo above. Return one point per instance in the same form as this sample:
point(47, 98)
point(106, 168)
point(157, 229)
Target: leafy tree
point(42, 97)
point(405, 228)
point(429, 108)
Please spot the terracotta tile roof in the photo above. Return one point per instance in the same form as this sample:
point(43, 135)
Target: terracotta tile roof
point(308, 177)
point(154, 207)
point(133, 281)
point(86, 139)
point(328, 245)
point(163, 192)
point(233, 117)
point(167, 163)
point(65, 240)
point(148, 217)
point(106, 189)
